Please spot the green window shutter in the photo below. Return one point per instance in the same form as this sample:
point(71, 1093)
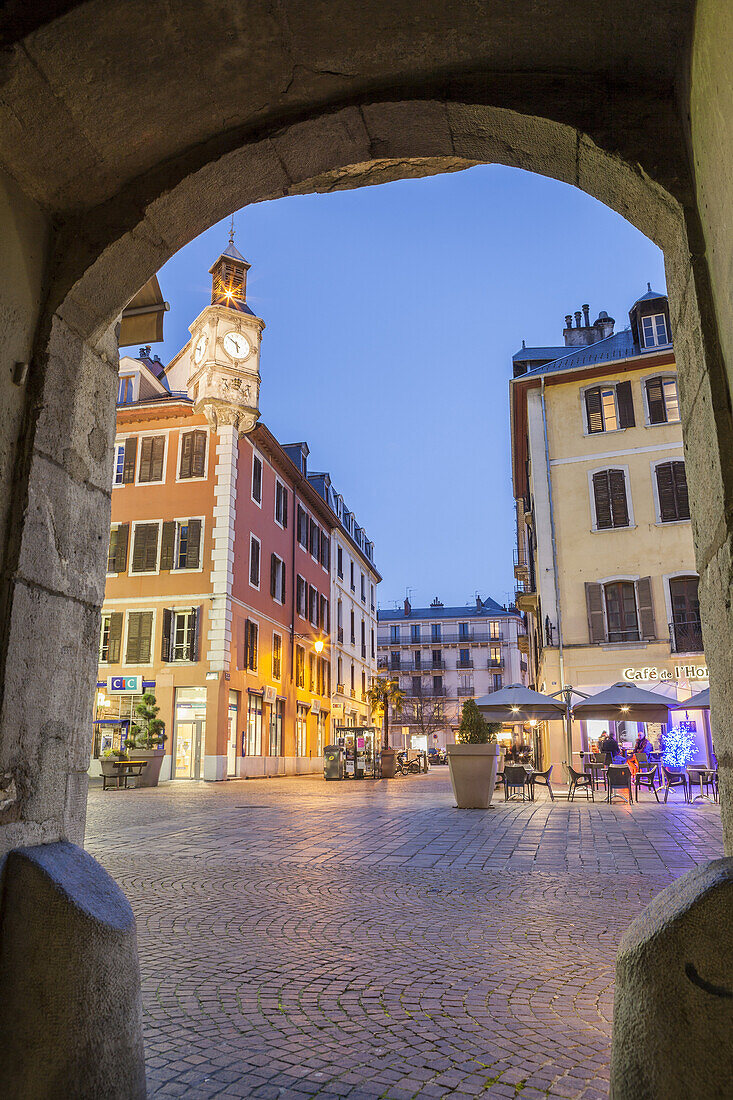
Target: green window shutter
point(168, 545)
point(165, 644)
point(594, 412)
point(112, 552)
point(625, 401)
point(193, 549)
point(184, 469)
point(646, 608)
point(115, 638)
point(594, 605)
point(128, 464)
point(655, 401)
point(198, 460)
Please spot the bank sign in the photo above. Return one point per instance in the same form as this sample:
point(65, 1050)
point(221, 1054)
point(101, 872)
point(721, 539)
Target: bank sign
point(680, 672)
point(125, 685)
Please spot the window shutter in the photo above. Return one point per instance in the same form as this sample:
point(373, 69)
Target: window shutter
point(198, 466)
point(241, 644)
point(273, 575)
point(602, 495)
point(186, 455)
point(646, 608)
point(146, 452)
point(285, 506)
point(679, 477)
point(145, 548)
point(655, 401)
point(156, 459)
point(254, 561)
point(123, 536)
point(325, 551)
point(132, 655)
point(166, 638)
point(625, 401)
point(247, 640)
point(193, 547)
point(594, 604)
point(167, 544)
point(114, 643)
point(112, 552)
point(193, 649)
point(665, 490)
point(593, 410)
point(619, 505)
point(128, 464)
point(282, 583)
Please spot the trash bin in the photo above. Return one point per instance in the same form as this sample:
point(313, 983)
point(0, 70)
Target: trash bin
point(333, 762)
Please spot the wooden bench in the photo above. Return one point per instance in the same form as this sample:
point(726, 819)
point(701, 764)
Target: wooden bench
point(115, 773)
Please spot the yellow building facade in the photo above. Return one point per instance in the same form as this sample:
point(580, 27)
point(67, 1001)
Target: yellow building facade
point(605, 563)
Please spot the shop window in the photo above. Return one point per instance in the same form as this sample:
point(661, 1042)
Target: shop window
point(193, 454)
point(254, 724)
point(152, 455)
point(301, 730)
point(609, 408)
point(276, 728)
point(662, 400)
point(139, 636)
point(674, 503)
point(609, 498)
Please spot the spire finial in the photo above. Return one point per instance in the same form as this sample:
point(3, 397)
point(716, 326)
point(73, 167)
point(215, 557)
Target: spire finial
point(231, 231)
point(648, 285)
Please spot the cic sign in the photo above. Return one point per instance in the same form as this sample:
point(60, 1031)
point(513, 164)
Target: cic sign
point(125, 685)
point(680, 672)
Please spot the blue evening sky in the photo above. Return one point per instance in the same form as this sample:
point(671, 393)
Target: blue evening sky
point(392, 315)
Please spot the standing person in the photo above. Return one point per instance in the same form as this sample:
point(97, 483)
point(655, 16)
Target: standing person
point(609, 746)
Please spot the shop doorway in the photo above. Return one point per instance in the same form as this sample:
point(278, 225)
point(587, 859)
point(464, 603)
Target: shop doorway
point(189, 738)
point(232, 742)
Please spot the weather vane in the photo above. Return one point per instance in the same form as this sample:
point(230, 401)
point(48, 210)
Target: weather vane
point(231, 231)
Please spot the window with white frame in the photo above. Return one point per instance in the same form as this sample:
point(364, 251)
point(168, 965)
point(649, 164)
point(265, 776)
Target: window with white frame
point(183, 629)
point(662, 400)
point(139, 637)
point(654, 331)
point(145, 548)
point(609, 408)
point(126, 389)
point(256, 479)
point(254, 561)
point(151, 466)
point(110, 642)
point(281, 503)
point(119, 464)
point(277, 578)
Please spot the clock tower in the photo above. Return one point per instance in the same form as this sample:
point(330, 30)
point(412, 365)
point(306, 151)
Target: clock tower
point(224, 382)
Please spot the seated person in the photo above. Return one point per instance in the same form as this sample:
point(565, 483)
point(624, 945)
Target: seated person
point(609, 746)
point(642, 744)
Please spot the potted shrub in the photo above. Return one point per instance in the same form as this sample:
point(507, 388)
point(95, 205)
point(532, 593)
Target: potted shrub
point(473, 760)
point(385, 693)
point(147, 738)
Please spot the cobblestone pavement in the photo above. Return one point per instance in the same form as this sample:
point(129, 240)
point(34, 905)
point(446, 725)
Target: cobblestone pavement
point(308, 939)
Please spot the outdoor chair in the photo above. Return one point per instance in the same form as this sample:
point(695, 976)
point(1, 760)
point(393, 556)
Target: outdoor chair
point(704, 779)
point(580, 781)
point(543, 778)
point(515, 778)
point(675, 779)
point(618, 777)
point(597, 769)
point(646, 777)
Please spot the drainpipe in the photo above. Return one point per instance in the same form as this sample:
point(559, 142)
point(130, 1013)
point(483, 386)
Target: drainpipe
point(563, 690)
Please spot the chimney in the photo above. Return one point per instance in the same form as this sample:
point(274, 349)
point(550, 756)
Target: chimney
point(577, 318)
point(586, 316)
point(408, 607)
point(568, 320)
point(479, 604)
point(604, 324)
point(436, 603)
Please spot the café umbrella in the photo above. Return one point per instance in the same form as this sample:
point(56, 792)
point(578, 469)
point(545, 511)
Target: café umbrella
point(701, 701)
point(624, 703)
point(518, 703)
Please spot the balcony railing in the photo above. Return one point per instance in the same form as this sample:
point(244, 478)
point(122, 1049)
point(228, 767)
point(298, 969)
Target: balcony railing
point(495, 662)
point(464, 664)
point(685, 636)
point(465, 691)
point(340, 635)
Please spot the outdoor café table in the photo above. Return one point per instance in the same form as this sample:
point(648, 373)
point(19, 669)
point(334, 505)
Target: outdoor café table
point(702, 776)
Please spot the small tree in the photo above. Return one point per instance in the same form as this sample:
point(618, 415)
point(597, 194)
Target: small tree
point(147, 733)
point(474, 729)
point(383, 694)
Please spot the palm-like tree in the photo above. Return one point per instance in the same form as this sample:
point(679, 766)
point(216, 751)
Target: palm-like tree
point(383, 694)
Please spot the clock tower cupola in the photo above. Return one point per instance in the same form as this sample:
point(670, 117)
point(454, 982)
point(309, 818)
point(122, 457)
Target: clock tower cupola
point(224, 382)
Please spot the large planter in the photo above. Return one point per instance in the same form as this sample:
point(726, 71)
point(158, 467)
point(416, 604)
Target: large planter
point(473, 774)
point(150, 774)
point(389, 763)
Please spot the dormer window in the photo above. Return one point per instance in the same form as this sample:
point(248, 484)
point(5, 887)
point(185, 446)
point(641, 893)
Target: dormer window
point(654, 331)
point(662, 400)
point(125, 394)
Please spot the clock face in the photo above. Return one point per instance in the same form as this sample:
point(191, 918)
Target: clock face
point(236, 345)
point(200, 349)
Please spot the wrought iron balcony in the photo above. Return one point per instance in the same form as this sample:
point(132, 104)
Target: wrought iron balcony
point(495, 662)
point(465, 691)
point(685, 636)
point(465, 664)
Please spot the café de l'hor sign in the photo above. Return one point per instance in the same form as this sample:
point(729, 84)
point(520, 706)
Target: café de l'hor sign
point(680, 672)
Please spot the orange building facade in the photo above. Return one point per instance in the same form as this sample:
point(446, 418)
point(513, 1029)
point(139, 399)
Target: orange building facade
point(218, 594)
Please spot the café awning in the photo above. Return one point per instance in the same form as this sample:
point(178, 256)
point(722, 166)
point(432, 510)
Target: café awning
point(625, 703)
point(518, 703)
point(701, 701)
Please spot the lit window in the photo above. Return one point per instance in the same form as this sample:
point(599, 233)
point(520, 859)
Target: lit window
point(662, 400)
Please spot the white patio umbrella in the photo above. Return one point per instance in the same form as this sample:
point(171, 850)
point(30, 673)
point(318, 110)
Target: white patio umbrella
point(625, 702)
point(518, 703)
point(701, 701)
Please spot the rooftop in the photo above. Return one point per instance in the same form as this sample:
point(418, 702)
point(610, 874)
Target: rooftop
point(487, 608)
